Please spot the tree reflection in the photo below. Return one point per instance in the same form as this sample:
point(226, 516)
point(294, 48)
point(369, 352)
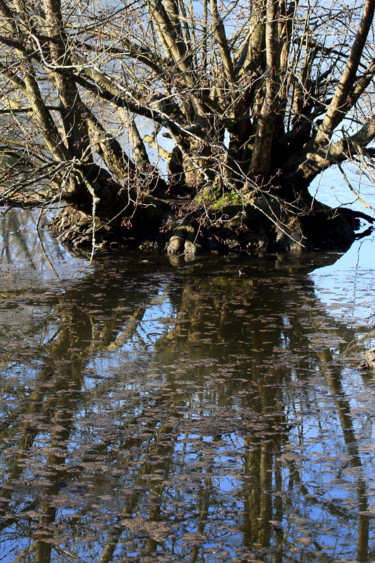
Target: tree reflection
point(19, 245)
point(181, 415)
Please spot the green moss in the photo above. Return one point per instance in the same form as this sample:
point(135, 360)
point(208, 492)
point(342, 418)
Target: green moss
point(227, 199)
point(217, 198)
point(207, 195)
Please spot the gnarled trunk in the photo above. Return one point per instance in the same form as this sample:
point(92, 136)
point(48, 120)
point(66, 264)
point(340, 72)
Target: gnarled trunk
point(153, 114)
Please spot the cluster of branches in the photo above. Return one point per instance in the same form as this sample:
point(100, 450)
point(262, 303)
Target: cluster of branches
point(251, 97)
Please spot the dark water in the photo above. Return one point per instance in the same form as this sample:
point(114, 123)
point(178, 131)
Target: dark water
point(205, 411)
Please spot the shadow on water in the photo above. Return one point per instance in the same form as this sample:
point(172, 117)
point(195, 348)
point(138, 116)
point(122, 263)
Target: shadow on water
point(209, 412)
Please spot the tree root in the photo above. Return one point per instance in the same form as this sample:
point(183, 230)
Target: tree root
point(250, 233)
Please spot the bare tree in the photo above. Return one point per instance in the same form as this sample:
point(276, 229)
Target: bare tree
point(141, 114)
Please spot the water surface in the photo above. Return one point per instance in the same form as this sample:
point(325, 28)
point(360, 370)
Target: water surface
point(206, 411)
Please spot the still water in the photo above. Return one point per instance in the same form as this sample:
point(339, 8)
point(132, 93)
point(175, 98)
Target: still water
point(193, 412)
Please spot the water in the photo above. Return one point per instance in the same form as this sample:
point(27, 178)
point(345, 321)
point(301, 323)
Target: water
point(206, 411)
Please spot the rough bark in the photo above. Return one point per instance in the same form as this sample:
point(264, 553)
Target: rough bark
point(249, 99)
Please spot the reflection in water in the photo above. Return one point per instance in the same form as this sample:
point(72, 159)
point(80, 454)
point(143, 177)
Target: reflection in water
point(347, 288)
point(152, 413)
point(25, 245)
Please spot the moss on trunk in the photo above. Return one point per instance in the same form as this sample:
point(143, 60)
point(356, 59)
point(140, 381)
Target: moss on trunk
point(179, 228)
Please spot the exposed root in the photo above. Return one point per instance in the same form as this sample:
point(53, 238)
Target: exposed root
point(75, 229)
point(249, 232)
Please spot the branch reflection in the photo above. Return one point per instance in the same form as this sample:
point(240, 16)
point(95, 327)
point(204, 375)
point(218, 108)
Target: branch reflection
point(182, 414)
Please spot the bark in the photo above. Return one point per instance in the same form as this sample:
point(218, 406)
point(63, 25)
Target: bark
point(244, 104)
point(341, 102)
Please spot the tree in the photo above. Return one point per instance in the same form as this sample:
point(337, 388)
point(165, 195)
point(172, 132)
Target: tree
point(241, 106)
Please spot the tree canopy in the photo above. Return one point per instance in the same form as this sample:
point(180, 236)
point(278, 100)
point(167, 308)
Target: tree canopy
point(141, 114)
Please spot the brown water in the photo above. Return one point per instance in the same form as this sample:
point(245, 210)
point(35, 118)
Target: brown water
point(206, 411)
